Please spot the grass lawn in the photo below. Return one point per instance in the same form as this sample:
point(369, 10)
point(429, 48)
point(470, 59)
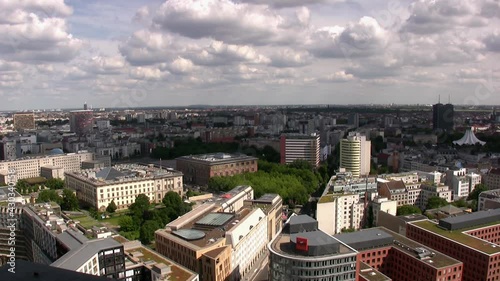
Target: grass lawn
point(86, 221)
point(111, 220)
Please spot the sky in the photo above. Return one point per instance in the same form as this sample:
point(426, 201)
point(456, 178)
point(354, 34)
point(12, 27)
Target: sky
point(115, 53)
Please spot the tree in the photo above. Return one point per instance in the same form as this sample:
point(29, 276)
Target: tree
point(93, 212)
point(127, 224)
point(474, 195)
point(147, 231)
point(460, 203)
point(69, 200)
point(48, 195)
point(22, 186)
point(140, 205)
point(111, 207)
point(301, 165)
point(408, 210)
point(435, 202)
point(54, 183)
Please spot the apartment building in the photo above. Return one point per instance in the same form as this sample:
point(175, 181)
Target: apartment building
point(458, 182)
point(429, 190)
point(398, 191)
point(198, 169)
point(344, 181)
point(122, 184)
point(399, 258)
point(272, 206)
point(300, 147)
point(302, 252)
point(492, 179)
point(30, 167)
point(382, 204)
point(473, 239)
point(355, 154)
point(489, 200)
point(339, 211)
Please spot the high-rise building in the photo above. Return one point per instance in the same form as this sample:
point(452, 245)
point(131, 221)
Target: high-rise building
point(300, 147)
point(81, 121)
point(442, 117)
point(24, 121)
point(355, 154)
point(353, 120)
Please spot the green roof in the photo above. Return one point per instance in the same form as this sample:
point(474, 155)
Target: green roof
point(460, 237)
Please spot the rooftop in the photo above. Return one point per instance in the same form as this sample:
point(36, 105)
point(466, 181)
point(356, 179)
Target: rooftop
point(460, 237)
point(123, 173)
point(370, 274)
point(43, 156)
point(217, 157)
point(331, 197)
point(148, 258)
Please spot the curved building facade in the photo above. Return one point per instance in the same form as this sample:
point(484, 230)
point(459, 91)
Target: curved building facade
point(302, 252)
point(355, 153)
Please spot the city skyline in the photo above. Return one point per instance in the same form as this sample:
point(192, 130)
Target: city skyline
point(60, 54)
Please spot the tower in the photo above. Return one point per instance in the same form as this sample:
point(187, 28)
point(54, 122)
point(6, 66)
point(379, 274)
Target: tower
point(355, 154)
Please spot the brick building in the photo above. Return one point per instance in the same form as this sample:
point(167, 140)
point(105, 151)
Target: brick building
point(472, 239)
point(394, 256)
point(198, 169)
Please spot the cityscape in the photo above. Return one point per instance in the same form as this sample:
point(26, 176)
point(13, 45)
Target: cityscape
point(249, 140)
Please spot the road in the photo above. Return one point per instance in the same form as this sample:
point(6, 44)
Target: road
point(259, 270)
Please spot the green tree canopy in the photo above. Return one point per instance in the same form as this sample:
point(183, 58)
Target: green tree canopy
point(48, 195)
point(435, 202)
point(69, 200)
point(54, 183)
point(140, 205)
point(408, 210)
point(474, 195)
point(111, 207)
point(127, 224)
point(147, 232)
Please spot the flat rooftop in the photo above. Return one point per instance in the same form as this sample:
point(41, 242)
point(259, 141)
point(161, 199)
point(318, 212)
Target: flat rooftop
point(331, 197)
point(123, 173)
point(217, 157)
point(371, 274)
point(460, 237)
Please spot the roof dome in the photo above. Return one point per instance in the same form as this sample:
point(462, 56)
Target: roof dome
point(56, 151)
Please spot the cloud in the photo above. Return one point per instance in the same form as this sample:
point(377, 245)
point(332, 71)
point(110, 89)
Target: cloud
point(105, 65)
point(219, 53)
point(290, 58)
point(147, 73)
point(492, 42)
point(285, 3)
point(436, 16)
point(490, 9)
point(338, 76)
point(364, 38)
point(142, 14)
point(225, 21)
point(180, 66)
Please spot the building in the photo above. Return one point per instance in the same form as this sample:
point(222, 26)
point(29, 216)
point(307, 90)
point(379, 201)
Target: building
point(272, 206)
point(198, 169)
point(122, 184)
point(302, 252)
point(30, 167)
point(218, 245)
point(355, 154)
point(400, 258)
point(382, 204)
point(300, 147)
point(429, 190)
point(52, 172)
point(343, 181)
point(442, 117)
point(353, 120)
point(492, 179)
point(81, 122)
point(472, 239)
point(24, 121)
point(30, 271)
point(489, 200)
point(8, 150)
point(400, 192)
point(339, 212)
point(142, 263)
point(458, 182)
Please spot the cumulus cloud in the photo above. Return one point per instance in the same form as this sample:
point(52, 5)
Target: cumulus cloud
point(290, 58)
point(147, 73)
point(285, 3)
point(105, 65)
point(226, 21)
point(492, 42)
point(180, 66)
point(338, 76)
point(366, 37)
point(490, 9)
point(219, 53)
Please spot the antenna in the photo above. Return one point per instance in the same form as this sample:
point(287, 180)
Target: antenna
point(439, 98)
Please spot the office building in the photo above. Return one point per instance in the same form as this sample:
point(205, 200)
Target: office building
point(339, 212)
point(122, 184)
point(302, 252)
point(472, 239)
point(30, 167)
point(355, 154)
point(198, 169)
point(217, 245)
point(81, 122)
point(399, 258)
point(24, 121)
point(458, 182)
point(382, 204)
point(8, 150)
point(442, 117)
point(492, 179)
point(353, 120)
point(300, 147)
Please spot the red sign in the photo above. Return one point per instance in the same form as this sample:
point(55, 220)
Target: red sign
point(301, 244)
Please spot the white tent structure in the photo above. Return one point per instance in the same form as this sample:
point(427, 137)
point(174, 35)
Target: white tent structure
point(469, 138)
